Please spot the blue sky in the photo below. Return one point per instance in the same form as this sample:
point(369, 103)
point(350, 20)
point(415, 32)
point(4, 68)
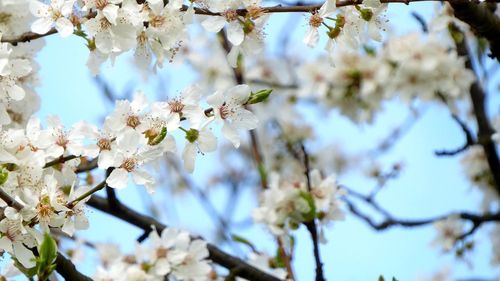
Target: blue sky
point(428, 187)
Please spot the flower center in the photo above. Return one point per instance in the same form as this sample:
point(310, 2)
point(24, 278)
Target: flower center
point(161, 252)
point(62, 140)
point(101, 4)
point(133, 121)
point(129, 164)
point(104, 144)
point(157, 21)
point(315, 20)
point(176, 105)
point(224, 111)
point(230, 15)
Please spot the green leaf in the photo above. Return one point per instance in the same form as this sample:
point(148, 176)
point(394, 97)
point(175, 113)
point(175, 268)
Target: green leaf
point(4, 175)
point(309, 216)
point(242, 240)
point(45, 263)
point(260, 96)
point(381, 278)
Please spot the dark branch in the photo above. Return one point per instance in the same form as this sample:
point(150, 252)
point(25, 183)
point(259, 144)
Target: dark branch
point(311, 225)
point(485, 130)
point(68, 270)
point(482, 21)
point(469, 140)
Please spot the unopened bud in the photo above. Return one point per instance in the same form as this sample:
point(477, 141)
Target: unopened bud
point(259, 96)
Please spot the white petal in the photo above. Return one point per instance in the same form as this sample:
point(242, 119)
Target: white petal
point(189, 156)
point(39, 9)
point(15, 92)
point(231, 134)
point(23, 255)
point(214, 24)
point(42, 25)
point(111, 12)
point(64, 27)
point(118, 178)
point(239, 94)
point(235, 33)
point(311, 37)
point(207, 141)
point(162, 267)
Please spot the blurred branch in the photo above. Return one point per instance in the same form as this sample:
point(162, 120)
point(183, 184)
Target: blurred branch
point(469, 140)
point(482, 21)
point(144, 222)
point(389, 221)
point(311, 225)
point(485, 130)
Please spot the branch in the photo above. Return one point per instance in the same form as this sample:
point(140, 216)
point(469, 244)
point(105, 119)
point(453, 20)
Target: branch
point(389, 221)
point(68, 270)
point(469, 141)
point(482, 21)
point(311, 225)
point(485, 130)
point(217, 256)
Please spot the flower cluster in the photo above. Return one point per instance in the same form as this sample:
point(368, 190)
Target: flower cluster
point(17, 81)
point(172, 254)
point(39, 166)
point(406, 67)
point(350, 28)
point(285, 205)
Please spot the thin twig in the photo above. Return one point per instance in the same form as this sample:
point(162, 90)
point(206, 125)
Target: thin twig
point(311, 225)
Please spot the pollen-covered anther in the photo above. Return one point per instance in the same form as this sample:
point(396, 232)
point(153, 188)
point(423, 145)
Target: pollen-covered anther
point(157, 21)
point(101, 4)
point(56, 14)
point(104, 144)
point(44, 210)
point(224, 111)
point(129, 164)
point(133, 121)
point(254, 11)
point(161, 252)
point(315, 20)
point(176, 105)
point(104, 23)
point(62, 140)
point(230, 15)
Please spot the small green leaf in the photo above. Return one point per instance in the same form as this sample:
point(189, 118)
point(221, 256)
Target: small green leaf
point(381, 278)
point(45, 263)
point(260, 96)
point(4, 175)
point(242, 240)
point(309, 216)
